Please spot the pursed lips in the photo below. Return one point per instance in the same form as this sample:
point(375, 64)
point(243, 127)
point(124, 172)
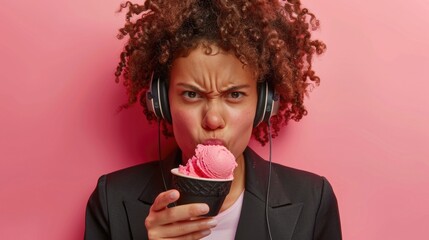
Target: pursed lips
point(213, 142)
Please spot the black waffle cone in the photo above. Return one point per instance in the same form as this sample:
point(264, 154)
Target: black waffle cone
point(192, 190)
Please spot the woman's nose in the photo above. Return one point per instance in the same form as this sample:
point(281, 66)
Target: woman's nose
point(213, 118)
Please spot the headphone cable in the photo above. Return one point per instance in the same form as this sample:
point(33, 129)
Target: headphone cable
point(159, 155)
point(269, 182)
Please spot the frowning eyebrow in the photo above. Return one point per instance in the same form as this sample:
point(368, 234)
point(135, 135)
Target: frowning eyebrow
point(200, 90)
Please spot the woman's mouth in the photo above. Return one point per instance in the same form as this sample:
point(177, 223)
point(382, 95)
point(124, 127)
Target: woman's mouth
point(213, 142)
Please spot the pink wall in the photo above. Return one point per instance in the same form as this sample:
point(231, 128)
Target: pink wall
point(366, 130)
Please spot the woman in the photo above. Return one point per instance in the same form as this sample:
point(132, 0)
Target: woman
point(211, 59)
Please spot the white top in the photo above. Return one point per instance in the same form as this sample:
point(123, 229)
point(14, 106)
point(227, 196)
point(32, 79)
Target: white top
point(227, 222)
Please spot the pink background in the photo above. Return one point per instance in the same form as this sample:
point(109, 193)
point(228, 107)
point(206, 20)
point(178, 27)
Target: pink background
point(366, 130)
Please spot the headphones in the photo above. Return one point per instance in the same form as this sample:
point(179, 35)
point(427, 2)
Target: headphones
point(157, 100)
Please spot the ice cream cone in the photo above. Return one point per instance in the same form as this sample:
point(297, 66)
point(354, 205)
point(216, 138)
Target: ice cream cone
point(201, 190)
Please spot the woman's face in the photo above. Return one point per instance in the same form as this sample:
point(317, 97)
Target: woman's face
point(212, 100)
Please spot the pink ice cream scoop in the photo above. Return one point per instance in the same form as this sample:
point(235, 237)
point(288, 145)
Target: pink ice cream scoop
point(210, 161)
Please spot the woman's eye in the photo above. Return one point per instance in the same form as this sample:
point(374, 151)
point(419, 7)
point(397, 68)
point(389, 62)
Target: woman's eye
point(236, 95)
point(190, 94)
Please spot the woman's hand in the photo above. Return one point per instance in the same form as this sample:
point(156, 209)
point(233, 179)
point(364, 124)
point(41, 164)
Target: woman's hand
point(180, 222)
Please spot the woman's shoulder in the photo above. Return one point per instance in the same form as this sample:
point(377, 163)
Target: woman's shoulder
point(134, 171)
point(292, 180)
point(284, 172)
point(296, 174)
point(300, 184)
point(126, 178)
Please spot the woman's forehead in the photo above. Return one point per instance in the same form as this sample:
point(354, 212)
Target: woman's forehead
point(211, 58)
point(217, 67)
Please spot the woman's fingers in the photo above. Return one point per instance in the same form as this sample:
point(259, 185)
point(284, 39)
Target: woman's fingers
point(179, 222)
point(163, 199)
point(189, 227)
point(176, 214)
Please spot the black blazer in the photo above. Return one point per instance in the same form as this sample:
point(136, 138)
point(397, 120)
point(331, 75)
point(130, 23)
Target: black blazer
point(302, 205)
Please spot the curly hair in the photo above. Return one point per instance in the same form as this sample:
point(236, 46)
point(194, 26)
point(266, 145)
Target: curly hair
point(269, 36)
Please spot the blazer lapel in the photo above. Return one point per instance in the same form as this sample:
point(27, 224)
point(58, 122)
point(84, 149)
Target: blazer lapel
point(282, 213)
point(138, 210)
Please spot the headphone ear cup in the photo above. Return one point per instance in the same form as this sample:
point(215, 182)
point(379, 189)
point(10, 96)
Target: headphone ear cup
point(157, 97)
point(163, 96)
point(267, 104)
point(260, 106)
